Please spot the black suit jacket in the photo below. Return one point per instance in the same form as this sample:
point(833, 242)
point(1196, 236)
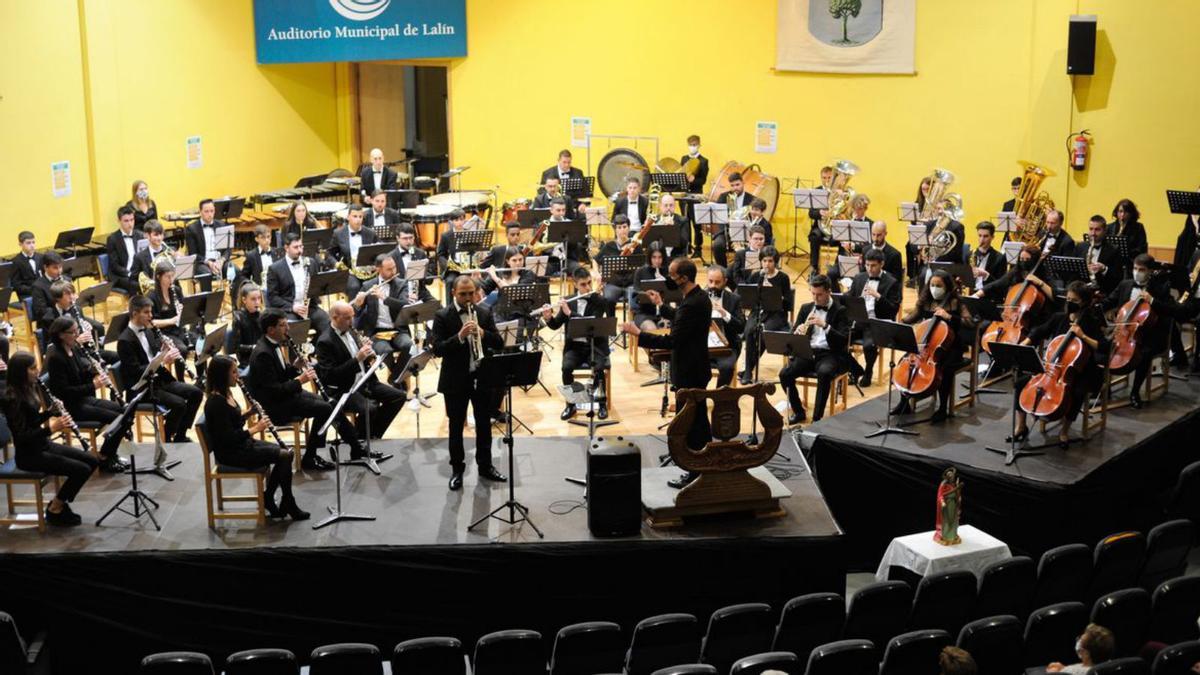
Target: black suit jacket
point(996, 265)
point(39, 290)
point(272, 383)
point(193, 236)
point(282, 287)
point(1009, 205)
point(367, 175)
point(418, 253)
point(552, 172)
point(336, 365)
point(244, 333)
point(893, 261)
point(1107, 280)
point(119, 262)
point(737, 271)
point(701, 174)
point(68, 377)
point(391, 218)
point(134, 359)
point(340, 248)
point(252, 265)
point(1064, 244)
point(596, 306)
point(1135, 236)
point(1185, 249)
point(736, 324)
point(23, 275)
point(745, 200)
point(455, 375)
point(542, 201)
point(621, 206)
point(837, 331)
point(890, 293)
point(366, 318)
point(688, 341)
point(143, 262)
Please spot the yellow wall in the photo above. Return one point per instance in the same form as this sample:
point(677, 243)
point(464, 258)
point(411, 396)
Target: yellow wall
point(150, 74)
point(991, 89)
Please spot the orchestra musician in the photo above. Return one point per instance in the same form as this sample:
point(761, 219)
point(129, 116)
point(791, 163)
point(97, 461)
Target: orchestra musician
point(576, 252)
point(825, 322)
point(819, 234)
point(165, 299)
point(347, 239)
point(447, 249)
point(380, 217)
point(342, 355)
point(1184, 281)
point(376, 176)
point(377, 307)
point(512, 239)
point(298, 219)
point(632, 204)
point(688, 342)
point(258, 259)
point(987, 263)
point(73, 380)
point(33, 422)
point(1027, 260)
point(562, 169)
point(27, 265)
point(758, 207)
point(579, 352)
point(513, 273)
point(882, 293)
point(551, 190)
point(200, 238)
point(1105, 266)
point(457, 339)
point(121, 247)
point(649, 313)
point(91, 332)
point(144, 208)
point(233, 443)
point(892, 261)
point(276, 379)
point(1081, 319)
point(1056, 240)
point(774, 320)
point(245, 329)
point(912, 252)
point(1011, 205)
point(727, 315)
point(695, 185)
point(407, 251)
point(1126, 224)
point(940, 298)
point(756, 240)
point(287, 280)
point(738, 201)
point(667, 217)
point(138, 345)
point(1145, 283)
point(622, 284)
point(143, 262)
point(39, 290)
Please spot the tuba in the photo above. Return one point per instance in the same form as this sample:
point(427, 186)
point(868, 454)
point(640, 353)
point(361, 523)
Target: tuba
point(840, 194)
point(941, 239)
point(939, 180)
point(1031, 205)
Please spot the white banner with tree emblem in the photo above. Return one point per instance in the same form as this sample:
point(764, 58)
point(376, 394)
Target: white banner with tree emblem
point(846, 36)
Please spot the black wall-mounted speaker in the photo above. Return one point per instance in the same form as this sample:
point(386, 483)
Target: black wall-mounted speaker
point(1081, 45)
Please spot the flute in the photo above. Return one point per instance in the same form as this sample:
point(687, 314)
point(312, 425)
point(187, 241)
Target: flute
point(570, 299)
point(58, 406)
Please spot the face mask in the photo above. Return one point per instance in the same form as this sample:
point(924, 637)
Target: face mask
point(671, 285)
point(143, 193)
point(1078, 645)
point(937, 292)
point(1139, 277)
point(694, 149)
point(1073, 307)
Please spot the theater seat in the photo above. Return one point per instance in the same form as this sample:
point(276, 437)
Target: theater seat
point(347, 658)
point(1127, 614)
point(176, 663)
point(509, 652)
point(944, 601)
point(878, 612)
point(17, 656)
point(1177, 659)
point(662, 641)
point(1175, 604)
point(845, 657)
point(734, 632)
point(1006, 587)
point(429, 656)
point(995, 644)
point(1051, 631)
point(758, 663)
point(1063, 575)
point(1167, 547)
point(1116, 563)
point(1130, 665)
point(262, 662)
point(687, 669)
point(1185, 498)
point(585, 648)
point(914, 653)
point(808, 621)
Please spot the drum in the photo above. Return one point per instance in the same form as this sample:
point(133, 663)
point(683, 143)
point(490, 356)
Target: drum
point(761, 185)
point(426, 218)
point(508, 212)
point(617, 165)
point(467, 201)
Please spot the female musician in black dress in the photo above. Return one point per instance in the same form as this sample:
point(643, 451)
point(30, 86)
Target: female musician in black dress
point(144, 208)
point(244, 329)
point(647, 316)
point(33, 421)
point(777, 320)
point(940, 298)
point(165, 309)
point(72, 380)
point(298, 219)
point(233, 444)
point(1126, 224)
point(1091, 330)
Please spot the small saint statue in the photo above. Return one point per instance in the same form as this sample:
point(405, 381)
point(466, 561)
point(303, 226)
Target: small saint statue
point(949, 508)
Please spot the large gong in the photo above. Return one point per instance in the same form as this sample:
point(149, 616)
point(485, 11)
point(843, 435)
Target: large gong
point(618, 164)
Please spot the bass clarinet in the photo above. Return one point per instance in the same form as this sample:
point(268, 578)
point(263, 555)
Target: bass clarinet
point(61, 409)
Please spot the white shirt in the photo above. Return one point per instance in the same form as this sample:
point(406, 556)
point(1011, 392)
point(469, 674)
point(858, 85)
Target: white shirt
point(635, 221)
point(1050, 239)
point(355, 243)
point(377, 218)
point(130, 249)
point(580, 310)
point(384, 322)
point(378, 176)
point(144, 341)
point(1136, 292)
point(210, 241)
point(298, 276)
point(32, 263)
point(818, 339)
point(869, 300)
point(563, 174)
point(265, 257)
point(278, 351)
point(740, 200)
point(348, 340)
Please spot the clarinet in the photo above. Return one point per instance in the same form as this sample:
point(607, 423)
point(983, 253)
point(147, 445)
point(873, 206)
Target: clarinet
point(98, 367)
point(62, 411)
point(299, 355)
point(263, 415)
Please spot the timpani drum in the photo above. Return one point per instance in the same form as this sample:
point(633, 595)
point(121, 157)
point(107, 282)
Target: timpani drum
point(761, 185)
point(467, 201)
point(430, 221)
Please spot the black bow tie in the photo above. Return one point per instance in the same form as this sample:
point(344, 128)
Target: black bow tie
point(376, 172)
point(127, 236)
point(295, 263)
point(873, 278)
point(355, 234)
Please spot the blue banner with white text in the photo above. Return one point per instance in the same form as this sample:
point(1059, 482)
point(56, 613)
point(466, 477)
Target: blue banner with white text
point(310, 31)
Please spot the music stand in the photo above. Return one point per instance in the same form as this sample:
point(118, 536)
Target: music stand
point(192, 311)
point(368, 252)
point(75, 268)
point(853, 231)
point(414, 366)
point(1068, 268)
point(470, 241)
point(712, 217)
point(162, 466)
point(1186, 202)
point(1119, 242)
point(369, 461)
point(918, 236)
point(667, 234)
point(335, 513)
point(416, 269)
point(530, 218)
point(74, 238)
point(908, 212)
point(579, 188)
point(230, 207)
point(327, 283)
point(298, 331)
point(1022, 359)
point(185, 267)
point(403, 199)
point(618, 270)
point(1012, 251)
point(596, 215)
point(591, 327)
point(958, 271)
point(506, 371)
point(566, 232)
point(739, 232)
point(848, 266)
point(413, 316)
point(527, 300)
point(139, 498)
point(316, 239)
point(1006, 221)
point(92, 296)
point(897, 336)
point(670, 182)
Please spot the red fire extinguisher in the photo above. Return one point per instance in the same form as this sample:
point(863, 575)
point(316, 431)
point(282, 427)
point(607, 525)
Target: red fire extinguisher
point(1077, 149)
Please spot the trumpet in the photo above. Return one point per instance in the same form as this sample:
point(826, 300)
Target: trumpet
point(475, 340)
point(57, 405)
point(262, 414)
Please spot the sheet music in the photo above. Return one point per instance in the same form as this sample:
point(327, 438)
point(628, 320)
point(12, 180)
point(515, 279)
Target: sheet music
point(918, 235)
point(538, 264)
point(847, 265)
point(1012, 250)
point(909, 212)
point(714, 340)
point(415, 269)
point(753, 264)
point(1006, 221)
point(596, 215)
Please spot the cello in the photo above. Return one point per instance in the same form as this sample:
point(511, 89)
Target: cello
point(1021, 302)
point(1133, 322)
point(1047, 395)
point(918, 375)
